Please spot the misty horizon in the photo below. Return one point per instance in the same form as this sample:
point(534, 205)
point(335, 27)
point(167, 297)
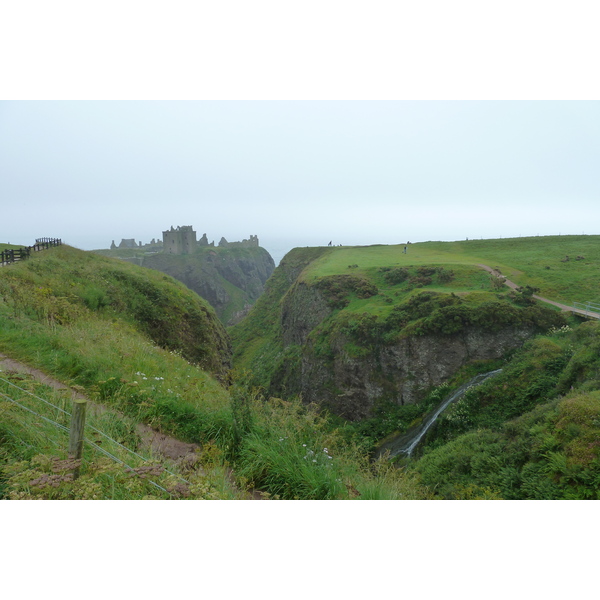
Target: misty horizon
point(298, 173)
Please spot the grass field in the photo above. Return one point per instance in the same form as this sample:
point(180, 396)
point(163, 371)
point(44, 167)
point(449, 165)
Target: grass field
point(535, 261)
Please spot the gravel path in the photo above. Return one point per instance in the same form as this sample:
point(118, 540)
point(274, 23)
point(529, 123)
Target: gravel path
point(564, 307)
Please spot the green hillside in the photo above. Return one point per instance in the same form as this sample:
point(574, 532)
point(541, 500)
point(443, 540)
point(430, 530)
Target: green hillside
point(532, 432)
point(330, 310)
point(536, 261)
point(378, 337)
point(150, 351)
point(97, 323)
point(378, 294)
point(229, 278)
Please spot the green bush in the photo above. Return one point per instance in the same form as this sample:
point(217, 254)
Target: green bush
point(396, 275)
point(337, 288)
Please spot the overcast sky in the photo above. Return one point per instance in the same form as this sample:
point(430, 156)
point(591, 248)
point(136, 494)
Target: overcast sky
point(298, 173)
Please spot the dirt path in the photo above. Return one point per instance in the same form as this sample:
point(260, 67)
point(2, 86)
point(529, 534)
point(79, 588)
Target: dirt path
point(564, 307)
point(158, 443)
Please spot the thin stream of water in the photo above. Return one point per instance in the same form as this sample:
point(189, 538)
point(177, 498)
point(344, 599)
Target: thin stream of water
point(405, 443)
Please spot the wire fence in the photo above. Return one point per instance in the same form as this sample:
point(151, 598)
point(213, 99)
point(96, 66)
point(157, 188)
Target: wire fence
point(86, 440)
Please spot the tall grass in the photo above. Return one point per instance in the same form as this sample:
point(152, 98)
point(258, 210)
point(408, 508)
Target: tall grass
point(34, 461)
point(294, 451)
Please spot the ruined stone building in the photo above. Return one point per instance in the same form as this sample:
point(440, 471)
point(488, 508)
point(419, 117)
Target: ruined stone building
point(179, 241)
point(251, 243)
point(182, 240)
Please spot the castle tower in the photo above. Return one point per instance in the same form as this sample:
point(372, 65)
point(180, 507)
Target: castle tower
point(179, 241)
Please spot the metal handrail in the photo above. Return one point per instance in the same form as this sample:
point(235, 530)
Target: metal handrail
point(588, 306)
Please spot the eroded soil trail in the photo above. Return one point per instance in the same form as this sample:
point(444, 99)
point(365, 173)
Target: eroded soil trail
point(564, 307)
point(164, 446)
point(155, 441)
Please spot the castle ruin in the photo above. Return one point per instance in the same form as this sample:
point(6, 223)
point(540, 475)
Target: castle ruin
point(179, 241)
point(253, 241)
point(182, 240)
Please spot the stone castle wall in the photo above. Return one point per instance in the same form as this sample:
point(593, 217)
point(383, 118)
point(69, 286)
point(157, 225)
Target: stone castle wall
point(182, 240)
point(179, 241)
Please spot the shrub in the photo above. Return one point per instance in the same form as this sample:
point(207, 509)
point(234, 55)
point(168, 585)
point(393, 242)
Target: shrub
point(337, 288)
point(395, 275)
point(444, 275)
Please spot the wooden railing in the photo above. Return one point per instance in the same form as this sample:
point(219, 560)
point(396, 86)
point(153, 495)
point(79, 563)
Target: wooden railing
point(16, 254)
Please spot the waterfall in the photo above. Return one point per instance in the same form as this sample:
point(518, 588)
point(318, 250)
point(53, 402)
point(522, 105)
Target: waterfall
point(405, 443)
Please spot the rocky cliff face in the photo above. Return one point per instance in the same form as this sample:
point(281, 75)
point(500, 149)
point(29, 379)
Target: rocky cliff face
point(302, 309)
point(230, 279)
point(403, 372)
point(324, 367)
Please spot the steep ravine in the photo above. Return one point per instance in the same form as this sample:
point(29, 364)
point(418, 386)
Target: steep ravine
point(297, 340)
point(229, 279)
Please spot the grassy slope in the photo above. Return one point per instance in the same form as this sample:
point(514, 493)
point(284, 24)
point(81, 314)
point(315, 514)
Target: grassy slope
point(257, 340)
point(178, 265)
point(34, 450)
point(113, 328)
point(70, 328)
point(523, 260)
point(532, 432)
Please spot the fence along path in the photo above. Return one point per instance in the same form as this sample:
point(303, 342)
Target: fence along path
point(158, 444)
point(91, 428)
point(16, 254)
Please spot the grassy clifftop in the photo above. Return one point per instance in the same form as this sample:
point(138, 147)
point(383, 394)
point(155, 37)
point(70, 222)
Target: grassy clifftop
point(535, 261)
point(346, 274)
point(364, 298)
point(62, 290)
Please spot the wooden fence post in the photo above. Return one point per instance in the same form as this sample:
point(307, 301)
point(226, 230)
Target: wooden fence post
point(76, 432)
